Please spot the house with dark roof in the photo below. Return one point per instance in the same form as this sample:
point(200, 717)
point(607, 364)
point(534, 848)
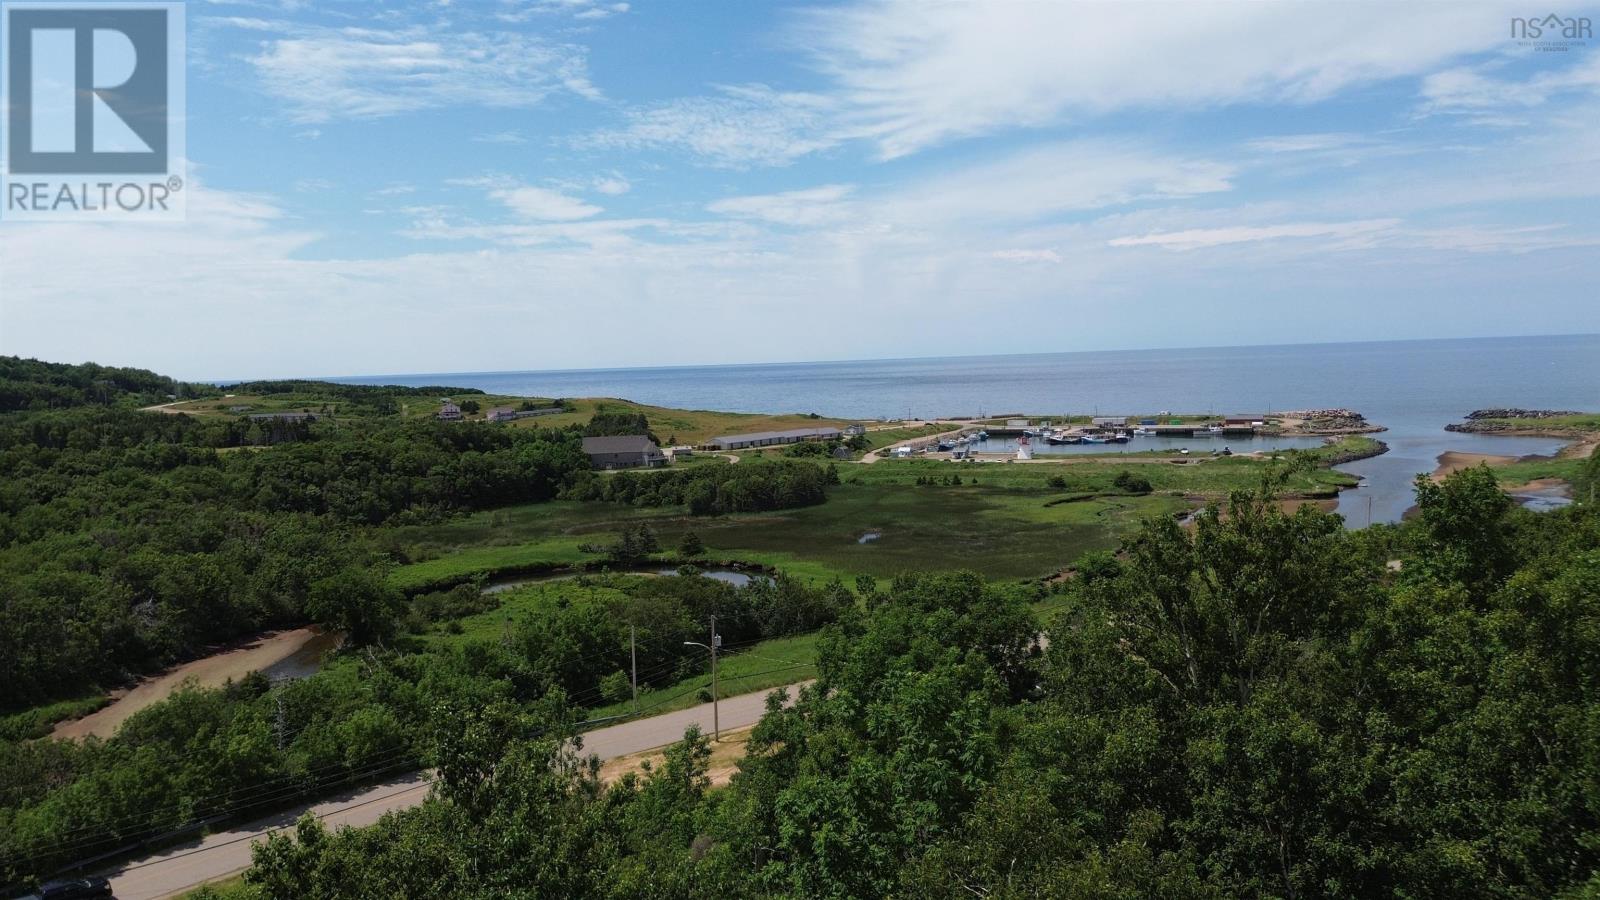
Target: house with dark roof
point(628, 451)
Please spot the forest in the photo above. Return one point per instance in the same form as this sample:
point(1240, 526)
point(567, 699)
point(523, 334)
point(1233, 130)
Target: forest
point(130, 540)
point(1267, 705)
point(1259, 703)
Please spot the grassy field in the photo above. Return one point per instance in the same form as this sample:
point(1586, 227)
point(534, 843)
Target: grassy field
point(1203, 475)
point(740, 669)
point(681, 426)
point(1522, 472)
point(885, 436)
point(998, 530)
point(38, 721)
point(533, 535)
point(1005, 520)
point(410, 407)
point(1583, 423)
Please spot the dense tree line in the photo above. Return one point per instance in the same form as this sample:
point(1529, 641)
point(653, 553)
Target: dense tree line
point(359, 400)
point(129, 540)
point(1258, 706)
point(252, 746)
point(607, 424)
point(32, 384)
point(753, 486)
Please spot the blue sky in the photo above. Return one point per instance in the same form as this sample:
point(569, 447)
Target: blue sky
point(531, 184)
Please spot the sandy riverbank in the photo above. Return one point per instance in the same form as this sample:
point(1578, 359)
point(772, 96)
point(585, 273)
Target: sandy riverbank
point(1452, 461)
point(212, 671)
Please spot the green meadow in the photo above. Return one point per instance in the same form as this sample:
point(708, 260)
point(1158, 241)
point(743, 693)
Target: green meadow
point(1000, 533)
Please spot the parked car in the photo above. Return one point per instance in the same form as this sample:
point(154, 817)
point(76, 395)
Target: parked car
point(74, 888)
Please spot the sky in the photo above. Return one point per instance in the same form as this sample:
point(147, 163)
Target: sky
point(500, 185)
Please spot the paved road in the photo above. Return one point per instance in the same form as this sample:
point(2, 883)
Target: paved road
point(224, 853)
point(888, 451)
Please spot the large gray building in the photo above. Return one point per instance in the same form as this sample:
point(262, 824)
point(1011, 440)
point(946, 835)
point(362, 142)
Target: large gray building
point(629, 451)
point(774, 438)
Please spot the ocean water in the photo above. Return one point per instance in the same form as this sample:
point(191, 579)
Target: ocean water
point(1413, 387)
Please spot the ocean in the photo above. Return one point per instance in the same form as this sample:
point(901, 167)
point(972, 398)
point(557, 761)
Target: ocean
point(1414, 388)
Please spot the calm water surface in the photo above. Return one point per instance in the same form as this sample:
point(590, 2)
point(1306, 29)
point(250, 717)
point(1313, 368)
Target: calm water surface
point(1413, 387)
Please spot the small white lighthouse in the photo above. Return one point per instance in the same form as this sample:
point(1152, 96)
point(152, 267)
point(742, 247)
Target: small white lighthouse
point(1024, 449)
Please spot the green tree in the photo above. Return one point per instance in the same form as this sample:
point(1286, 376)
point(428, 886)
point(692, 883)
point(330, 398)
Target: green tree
point(1464, 532)
point(1131, 483)
point(691, 546)
point(357, 602)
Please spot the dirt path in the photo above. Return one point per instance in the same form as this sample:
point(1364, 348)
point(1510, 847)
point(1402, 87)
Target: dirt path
point(211, 671)
point(724, 761)
point(163, 408)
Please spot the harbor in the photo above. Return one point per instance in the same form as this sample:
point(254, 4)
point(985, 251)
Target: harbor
point(1020, 437)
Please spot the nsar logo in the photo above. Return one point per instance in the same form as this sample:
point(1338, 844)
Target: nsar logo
point(1552, 32)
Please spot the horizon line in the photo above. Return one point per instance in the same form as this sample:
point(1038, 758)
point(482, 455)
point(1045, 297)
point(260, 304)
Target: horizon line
point(837, 361)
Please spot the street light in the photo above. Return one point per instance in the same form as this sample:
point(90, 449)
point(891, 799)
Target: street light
point(716, 641)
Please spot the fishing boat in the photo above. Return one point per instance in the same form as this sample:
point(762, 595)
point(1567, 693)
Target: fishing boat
point(1096, 439)
point(981, 436)
point(1120, 437)
point(1061, 437)
point(1144, 432)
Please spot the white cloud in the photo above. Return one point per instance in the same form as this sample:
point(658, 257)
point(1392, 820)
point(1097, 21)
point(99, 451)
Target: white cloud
point(1053, 179)
point(325, 74)
point(599, 234)
point(1307, 143)
point(737, 127)
point(540, 203)
point(910, 74)
point(1027, 256)
point(499, 137)
point(1196, 238)
point(1476, 90)
point(612, 185)
point(583, 10)
point(809, 207)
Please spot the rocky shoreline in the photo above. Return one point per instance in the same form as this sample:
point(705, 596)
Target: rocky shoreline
point(1515, 421)
point(1324, 422)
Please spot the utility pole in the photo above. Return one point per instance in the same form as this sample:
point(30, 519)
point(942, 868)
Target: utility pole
point(278, 723)
point(716, 724)
point(716, 721)
point(633, 654)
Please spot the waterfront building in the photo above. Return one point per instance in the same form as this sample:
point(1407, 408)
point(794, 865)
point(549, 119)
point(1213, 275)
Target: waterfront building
point(774, 438)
